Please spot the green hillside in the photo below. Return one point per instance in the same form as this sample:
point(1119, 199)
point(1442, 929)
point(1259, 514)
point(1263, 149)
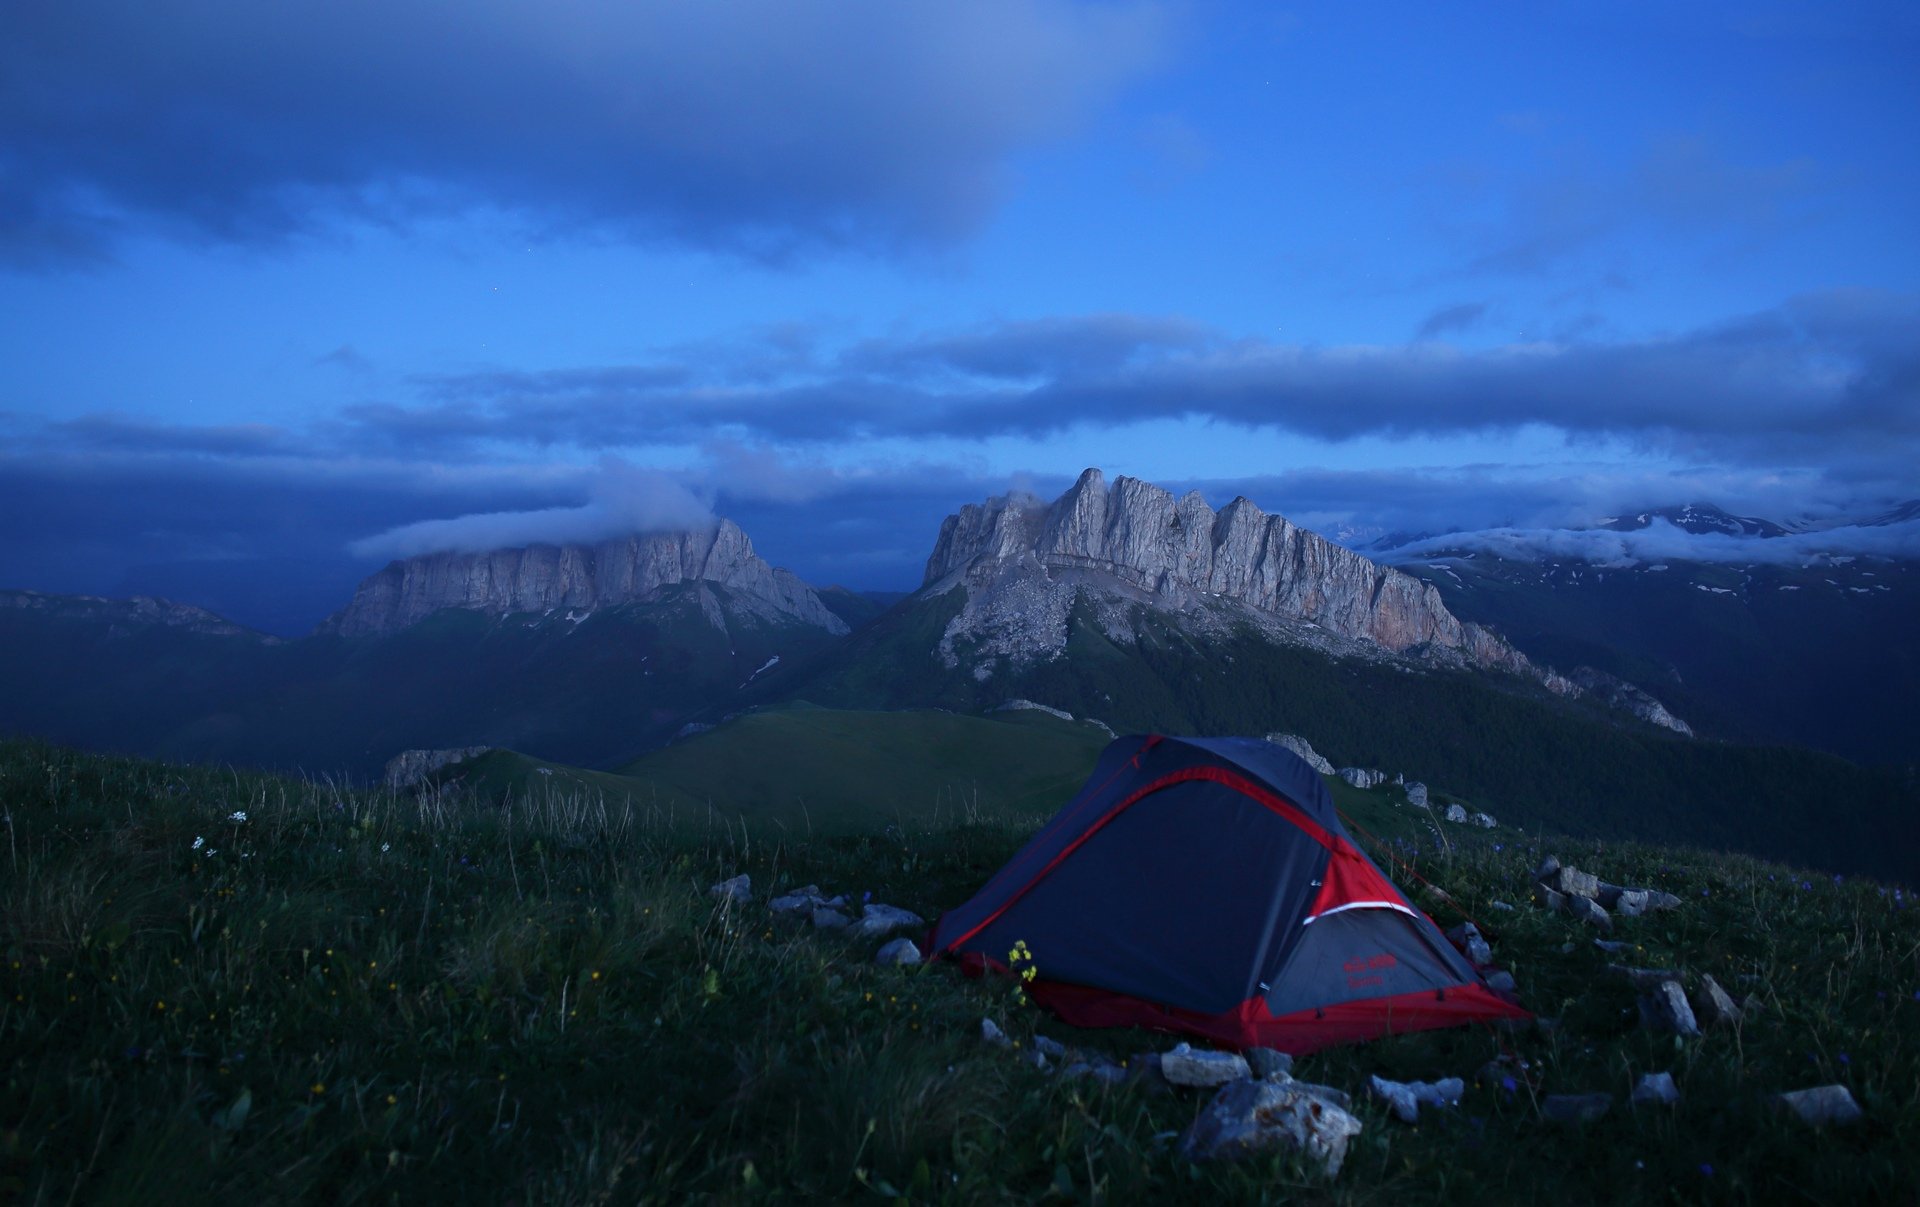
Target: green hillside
point(226, 988)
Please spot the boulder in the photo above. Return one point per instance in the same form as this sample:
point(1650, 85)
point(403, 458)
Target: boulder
point(830, 919)
point(1269, 1065)
point(411, 767)
point(1501, 981)
point(1821, 1105)
point(899, 952)
point(1456, 813)
point(1467, 938)
point(1547, 868)
point(738, 890)
point(799, 901)
point(1484, 821)
point(1363, 777)
point(1247, 1118)
point(1655, 1089)
point(990, 1033)
point(1575, 1108)
point(1666, 1009)
point(1713, 1005)
point(1303, 748)
point(1405, 1098)
point(1416, 794)
point(1185, 1066)
point(1645, 980)
point(1574, 883)
point(1587, 910)
point(876, 920)
point(1550, 898)
point(1049, 1046)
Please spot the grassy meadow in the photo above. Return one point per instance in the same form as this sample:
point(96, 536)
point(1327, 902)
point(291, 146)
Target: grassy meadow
point(220, 987)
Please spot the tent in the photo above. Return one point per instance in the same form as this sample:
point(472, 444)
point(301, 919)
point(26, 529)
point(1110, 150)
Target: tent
point(1206, 886)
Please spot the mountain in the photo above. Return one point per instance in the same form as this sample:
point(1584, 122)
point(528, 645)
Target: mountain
point(125, 617)
point(544, 579)
point(1697, 518)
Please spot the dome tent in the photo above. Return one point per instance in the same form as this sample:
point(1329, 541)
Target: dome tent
point(1206, 886)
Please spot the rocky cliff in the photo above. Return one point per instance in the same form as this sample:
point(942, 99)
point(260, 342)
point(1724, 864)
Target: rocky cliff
point(582, 578)
point(1181, 555)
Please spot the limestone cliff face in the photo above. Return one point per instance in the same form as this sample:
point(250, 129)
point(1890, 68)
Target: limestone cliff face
point(541, 578)
point(1013, 552)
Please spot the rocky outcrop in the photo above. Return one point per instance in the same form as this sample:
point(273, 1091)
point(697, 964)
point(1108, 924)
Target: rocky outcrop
point(125, 616)
point(1625, 696)
point(1023, 562)
point(1303, 748)
point(581, 578)
point(410, 767)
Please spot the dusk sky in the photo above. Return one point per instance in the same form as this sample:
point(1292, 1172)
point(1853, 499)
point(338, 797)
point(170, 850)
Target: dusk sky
point(288, 289)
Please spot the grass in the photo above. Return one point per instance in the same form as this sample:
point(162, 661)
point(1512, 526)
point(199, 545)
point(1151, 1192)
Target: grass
point(357, 997)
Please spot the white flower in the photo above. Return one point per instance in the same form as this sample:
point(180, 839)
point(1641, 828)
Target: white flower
point(385, 847)
point(238, 815)
point(211, 852)
point(198, 843)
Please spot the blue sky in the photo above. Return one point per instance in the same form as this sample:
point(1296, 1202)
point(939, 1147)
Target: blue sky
point(280, 281)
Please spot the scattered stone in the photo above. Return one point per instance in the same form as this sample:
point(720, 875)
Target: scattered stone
point(1611, 946)
point(1363, 777)
point(1575, 1108)
point(1248, 1117)
point(1303, 748)
point(1466, 937)
point(1416, 794)
point(1714, 1005)
point(1049, 1046)
point(1144, 1075)
point(900, 952)
point(1438, 893)
point(799, 901)
point(990, 1033)
point(1657, 900)
point(1645, 980)
point(1109, 1074)
point(1502, 906)
point(738, 889)
point(1036, 1058)
point(1574, 883)
point(1822, 1105)
point(1269, 1065)
point(1655, 1089)
point(1501, 981)
point(877, 920)
point(1547, 868)
point(1457, 813)
point(1077, 1069)
point(1549, 898)
point(830, 919)
point(1484, 821)
point(1185, 1066)
point(1666, 1009)
point(1407, 1097)
point(1587, 910)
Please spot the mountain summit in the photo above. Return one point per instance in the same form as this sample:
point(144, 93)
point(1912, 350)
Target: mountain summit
point(546, 578)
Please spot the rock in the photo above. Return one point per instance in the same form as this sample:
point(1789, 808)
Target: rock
point(1611, 946)
point(1416, 794)
point(1655, 1089)
point(1363, 777)
point(900, 952)
point(1466, 937)
point(583, 577)
point(1436, 892)
point(1303, 748)
point(1109, 1074)
point(738, 890)
point(1657, 900)
point(1456, 813)
point(990, 1033)
point(1713, 1005)
point(1501, 981)
point(830, 919)
point(1645, 980)
point(1036, 1058)
point(1502, 906)
point(1248, 1117)
point(1547, 868)
point(877, 920)
point(1587, 910)
point(1269, 1065)
point(1143, 1074)
point(1574, 883)
point(1185, 1066)
point(1406, 1098)
point(1484, 821)
point(800, 901)
point(1666, 1009)
point(409, 767)
point(1048, 1046)
point(1821, 1105)
point(1550, 898)
point(1575, 1108)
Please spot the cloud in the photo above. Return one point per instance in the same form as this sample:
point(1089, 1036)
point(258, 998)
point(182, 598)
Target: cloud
point(758, 126)
point(1818, 379)
point(1661, 541)
point(626, 499)
point(1461, 317)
